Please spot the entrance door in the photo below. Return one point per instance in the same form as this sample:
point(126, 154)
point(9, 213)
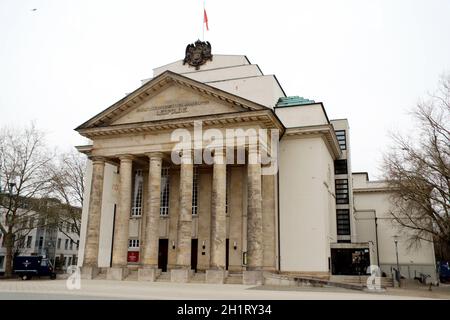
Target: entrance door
point(162, 254)
point(194, 252)
point(227, 254)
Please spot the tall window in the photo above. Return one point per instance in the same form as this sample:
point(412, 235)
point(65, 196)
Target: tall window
point(227, 190)
point(342, 191)
point(66, 244)
point(59, 243)
point(340, 167)
point(29, 240)
point(136, 209)
point(195, 192)
point(343, 222)
point(164, 208)
point(41, 242)
point(340, 135)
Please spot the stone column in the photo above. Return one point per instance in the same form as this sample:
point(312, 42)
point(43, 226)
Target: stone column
point(254, 219)
point(216, 274)
point(90, 260)
point(183, 271)
point(151, 236)
point(120, 248)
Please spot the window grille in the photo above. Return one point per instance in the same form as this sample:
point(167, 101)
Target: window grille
point(133, 243)
point(164, 205)
point(340, 135)
point(195, 192)
point(136, 209)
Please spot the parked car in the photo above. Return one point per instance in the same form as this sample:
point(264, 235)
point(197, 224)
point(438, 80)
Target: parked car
point(27, 267)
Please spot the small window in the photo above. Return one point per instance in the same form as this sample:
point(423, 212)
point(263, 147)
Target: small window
point(71, 244)
point(59, 243)
point(133, 243)
point(342, 191)
point(343, 222)
point(41, 242)
point(66, 244)
point(340, 135)
point(340, 167)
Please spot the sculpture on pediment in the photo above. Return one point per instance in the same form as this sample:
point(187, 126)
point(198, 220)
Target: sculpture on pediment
point(197, 53)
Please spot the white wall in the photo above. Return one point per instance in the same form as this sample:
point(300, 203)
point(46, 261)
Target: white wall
point(303, 115)
point(307, 207)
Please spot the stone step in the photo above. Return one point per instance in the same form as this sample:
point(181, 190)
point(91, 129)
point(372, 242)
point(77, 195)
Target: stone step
point(234, 278)
point(385, 281)
point(163, 277)
point(132, 275)
point(199, 277)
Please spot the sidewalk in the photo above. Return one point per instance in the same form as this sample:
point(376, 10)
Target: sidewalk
point(105, 289)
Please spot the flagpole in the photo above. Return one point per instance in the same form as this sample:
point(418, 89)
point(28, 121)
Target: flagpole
point(203, 24)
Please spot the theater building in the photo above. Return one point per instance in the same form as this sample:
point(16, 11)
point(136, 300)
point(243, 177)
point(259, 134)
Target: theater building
point(209, 171)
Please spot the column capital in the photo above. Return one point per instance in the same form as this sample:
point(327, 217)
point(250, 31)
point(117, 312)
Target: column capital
point(126, 157)
point(97, 159)
point(155, 155)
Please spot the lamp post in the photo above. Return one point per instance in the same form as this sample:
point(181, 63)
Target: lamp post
point(396, 253)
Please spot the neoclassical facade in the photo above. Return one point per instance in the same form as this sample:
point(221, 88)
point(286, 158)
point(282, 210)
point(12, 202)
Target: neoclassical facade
point(212, 171)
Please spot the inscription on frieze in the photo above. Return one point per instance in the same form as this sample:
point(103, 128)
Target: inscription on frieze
point(173, 108)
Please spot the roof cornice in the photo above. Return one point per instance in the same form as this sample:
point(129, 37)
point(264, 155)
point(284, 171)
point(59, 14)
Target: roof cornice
point(265, 117)
point(326, 131)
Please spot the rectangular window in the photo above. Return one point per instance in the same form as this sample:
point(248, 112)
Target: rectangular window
point(343, 222)
point(195, 192)
point(340, 167)
point(41, 242)
point(71, 244)
point(164, 209)
point(59, 243)
point(136, 209)
point(29, 241)
point(70, 261)
point(340, 135)
point(78, 244)
point(133, 243)
point(66, 244)
point(341, 191)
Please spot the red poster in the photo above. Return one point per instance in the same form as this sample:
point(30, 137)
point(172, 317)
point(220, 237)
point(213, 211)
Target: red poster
point(133, 256)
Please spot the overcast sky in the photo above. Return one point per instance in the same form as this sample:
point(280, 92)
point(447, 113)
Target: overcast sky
point(367, 61)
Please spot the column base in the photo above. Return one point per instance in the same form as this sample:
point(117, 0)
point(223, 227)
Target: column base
point(180, 275)
point(216, 276)
point(117, 273)
point(148, 274)
point(89, 273)
point(252, 277)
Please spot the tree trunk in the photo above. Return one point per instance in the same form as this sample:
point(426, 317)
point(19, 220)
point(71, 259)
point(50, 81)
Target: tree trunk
point(9, 254)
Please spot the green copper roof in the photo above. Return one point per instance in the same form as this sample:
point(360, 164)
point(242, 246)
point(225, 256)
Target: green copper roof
point(293, 101)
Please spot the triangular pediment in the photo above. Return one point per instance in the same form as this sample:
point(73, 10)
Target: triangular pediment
point(170, 96)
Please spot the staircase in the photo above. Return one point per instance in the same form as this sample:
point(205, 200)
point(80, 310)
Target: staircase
point(234, 278)
point(362, 280)
point(101, 275)
point(199, 277)
point(163, 277)
point(132, 276)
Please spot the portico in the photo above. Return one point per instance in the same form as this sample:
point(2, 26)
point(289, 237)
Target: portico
point(168, 199)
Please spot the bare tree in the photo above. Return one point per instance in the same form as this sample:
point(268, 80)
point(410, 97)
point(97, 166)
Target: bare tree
point(24, 165)
point(418, 169)
point(67, 183)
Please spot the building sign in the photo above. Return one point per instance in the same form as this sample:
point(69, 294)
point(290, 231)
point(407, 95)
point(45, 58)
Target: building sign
point(172, 109)
point(133, 256)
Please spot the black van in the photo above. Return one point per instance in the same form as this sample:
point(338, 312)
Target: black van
point(27, 267)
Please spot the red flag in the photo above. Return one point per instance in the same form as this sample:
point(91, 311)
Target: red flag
point(205, 19)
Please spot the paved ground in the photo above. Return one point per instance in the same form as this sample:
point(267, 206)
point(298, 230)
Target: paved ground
point(104, 289)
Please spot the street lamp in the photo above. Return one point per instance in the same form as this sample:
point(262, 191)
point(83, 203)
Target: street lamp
point(396, 253)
